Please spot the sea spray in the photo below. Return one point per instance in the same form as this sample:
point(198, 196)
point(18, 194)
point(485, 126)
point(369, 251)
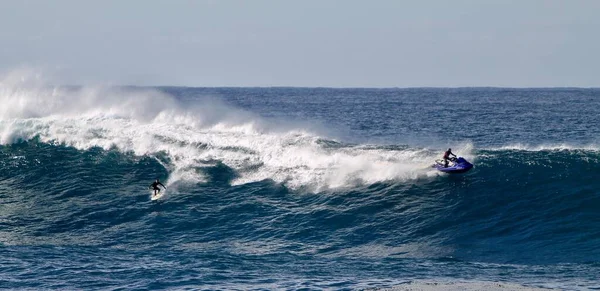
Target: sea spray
point(147, 122)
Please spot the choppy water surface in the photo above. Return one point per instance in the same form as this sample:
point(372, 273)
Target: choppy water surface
point(289, 188)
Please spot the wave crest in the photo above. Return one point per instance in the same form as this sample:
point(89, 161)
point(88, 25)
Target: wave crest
point(195, 135)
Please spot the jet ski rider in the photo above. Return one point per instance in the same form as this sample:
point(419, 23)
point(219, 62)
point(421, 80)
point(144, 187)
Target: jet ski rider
point(447, 155)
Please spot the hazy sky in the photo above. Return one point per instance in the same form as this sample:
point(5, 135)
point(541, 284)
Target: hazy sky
point(344, 43)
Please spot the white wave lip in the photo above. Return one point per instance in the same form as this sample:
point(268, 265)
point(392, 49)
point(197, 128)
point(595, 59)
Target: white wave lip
point(147, 122)
point(547, 147)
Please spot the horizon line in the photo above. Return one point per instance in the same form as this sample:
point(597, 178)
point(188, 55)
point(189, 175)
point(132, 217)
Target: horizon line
point(340, 87)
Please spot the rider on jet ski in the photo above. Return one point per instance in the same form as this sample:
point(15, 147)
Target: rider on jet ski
point(447, 157)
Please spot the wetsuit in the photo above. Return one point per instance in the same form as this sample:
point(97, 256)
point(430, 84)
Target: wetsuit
point(447, 157)
point(154, 186)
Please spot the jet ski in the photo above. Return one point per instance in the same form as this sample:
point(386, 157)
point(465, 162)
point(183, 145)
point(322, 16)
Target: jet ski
point(456, 165)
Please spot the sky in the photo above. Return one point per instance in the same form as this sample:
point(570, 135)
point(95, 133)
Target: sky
point(309, 43)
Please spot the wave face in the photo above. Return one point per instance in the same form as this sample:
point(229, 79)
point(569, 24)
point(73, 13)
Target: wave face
point(289, 188)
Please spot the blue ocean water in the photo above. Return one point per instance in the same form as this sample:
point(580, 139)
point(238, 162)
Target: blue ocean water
point(297, 188)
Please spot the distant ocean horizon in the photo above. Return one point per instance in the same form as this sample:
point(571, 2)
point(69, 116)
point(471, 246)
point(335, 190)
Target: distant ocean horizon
point(298, 188)
point(352, 87)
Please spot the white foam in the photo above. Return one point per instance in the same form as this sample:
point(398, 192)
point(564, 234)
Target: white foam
point(146, 122)
point(547, 147)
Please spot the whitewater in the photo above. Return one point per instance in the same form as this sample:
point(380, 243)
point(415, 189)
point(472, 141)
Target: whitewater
point(297, 188)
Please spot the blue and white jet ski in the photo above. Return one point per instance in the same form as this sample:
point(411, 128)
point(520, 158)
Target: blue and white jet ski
point(456, 165)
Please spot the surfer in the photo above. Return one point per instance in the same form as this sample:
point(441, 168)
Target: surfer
point(154, 186)
point(447, 157)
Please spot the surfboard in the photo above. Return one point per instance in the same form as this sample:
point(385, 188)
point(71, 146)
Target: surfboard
point(157, 196)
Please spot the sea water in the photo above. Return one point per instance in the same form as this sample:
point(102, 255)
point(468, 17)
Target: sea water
point(297, 188)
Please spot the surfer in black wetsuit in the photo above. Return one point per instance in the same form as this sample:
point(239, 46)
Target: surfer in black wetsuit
point(447, 157)
point(154, 186)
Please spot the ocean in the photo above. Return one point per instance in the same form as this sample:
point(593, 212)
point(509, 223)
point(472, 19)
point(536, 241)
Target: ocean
point(297, 188)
